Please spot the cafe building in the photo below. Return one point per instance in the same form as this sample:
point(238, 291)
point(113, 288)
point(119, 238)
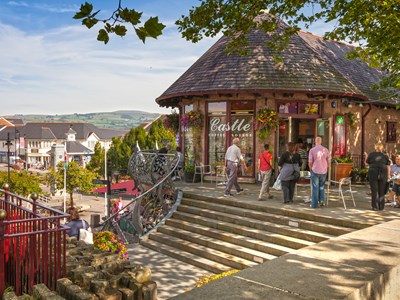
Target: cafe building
point(313, 90)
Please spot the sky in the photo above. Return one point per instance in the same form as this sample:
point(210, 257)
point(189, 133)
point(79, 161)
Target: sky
point(51, 64)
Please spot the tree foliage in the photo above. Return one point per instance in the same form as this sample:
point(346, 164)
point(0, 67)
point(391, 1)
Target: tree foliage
point(114, 24)
point(373, 25)
point(22, 182)
point(77, 178)
point(122, 149)
point(97, 163)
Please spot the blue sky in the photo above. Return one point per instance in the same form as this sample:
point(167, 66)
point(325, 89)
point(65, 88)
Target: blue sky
point(50, 64)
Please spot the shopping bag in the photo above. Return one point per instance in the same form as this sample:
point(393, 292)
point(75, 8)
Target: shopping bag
point(260, 177)
point(85, 234)
point(277, 185)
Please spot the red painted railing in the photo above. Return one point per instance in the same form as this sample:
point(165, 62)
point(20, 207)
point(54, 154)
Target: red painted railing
point(32, 244)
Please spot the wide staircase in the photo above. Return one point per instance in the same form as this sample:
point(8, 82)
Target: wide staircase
point(220, 234)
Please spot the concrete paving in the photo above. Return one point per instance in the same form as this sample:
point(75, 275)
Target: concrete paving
point(174, 277)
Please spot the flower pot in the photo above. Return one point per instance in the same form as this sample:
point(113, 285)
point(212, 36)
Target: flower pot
point(341, 170)
point(189, 177)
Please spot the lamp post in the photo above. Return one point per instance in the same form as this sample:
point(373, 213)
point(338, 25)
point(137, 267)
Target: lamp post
point(17, 136)
point(8, 143)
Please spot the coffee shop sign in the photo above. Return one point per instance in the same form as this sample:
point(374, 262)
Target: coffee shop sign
point(238, 125)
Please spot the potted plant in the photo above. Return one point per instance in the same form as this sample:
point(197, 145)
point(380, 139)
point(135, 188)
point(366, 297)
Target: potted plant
point(189, 170)
point(359, 175)
point(342, 166)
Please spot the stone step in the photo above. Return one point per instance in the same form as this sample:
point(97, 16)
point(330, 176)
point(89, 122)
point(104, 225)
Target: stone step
point(289, 212)
point(191, 205)
point(218, 244)
point(271, 249)
point(202, 251)
point(186, 257)
point(292, 231)
point(240, 229)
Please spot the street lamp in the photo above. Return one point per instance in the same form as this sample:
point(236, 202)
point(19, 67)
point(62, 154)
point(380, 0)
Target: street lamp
point(17, 136)
point(8, 143)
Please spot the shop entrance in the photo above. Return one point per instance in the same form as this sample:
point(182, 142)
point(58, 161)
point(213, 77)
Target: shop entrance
point(302, 131)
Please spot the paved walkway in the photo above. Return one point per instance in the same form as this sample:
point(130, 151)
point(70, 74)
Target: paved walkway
point(174, 277)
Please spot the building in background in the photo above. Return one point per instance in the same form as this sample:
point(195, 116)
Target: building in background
point(313, 89)
point(33, 141)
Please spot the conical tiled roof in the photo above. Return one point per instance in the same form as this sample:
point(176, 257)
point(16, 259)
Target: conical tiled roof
point(310, 64)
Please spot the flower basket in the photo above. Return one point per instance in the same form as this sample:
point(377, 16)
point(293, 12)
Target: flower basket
point(193, 118)
point(171, 122)
point(266, 120)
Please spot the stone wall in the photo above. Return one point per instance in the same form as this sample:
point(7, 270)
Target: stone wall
point(93, 274)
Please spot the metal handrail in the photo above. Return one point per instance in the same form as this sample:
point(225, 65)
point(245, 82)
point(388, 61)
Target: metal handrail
point(32, 246)
point(146, 180)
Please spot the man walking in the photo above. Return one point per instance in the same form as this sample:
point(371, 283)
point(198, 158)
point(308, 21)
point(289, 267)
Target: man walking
point(233, 158)
point(318, 162)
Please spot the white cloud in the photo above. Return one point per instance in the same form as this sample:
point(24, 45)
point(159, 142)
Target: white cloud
point(18, 3)
point(67, 71)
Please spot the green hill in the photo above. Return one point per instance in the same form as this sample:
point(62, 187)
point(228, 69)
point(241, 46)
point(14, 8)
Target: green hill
point(122, 119)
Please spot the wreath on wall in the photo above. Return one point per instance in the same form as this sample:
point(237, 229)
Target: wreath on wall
point(267, 119)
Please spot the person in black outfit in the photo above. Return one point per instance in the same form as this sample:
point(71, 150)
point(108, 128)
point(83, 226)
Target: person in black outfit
point(378, 174)
point(289, 162)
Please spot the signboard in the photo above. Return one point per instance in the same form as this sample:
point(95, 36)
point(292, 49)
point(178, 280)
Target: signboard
point(117, 191)
point(99, 181)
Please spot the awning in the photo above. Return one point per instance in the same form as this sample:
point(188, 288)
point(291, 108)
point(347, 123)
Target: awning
point(129, 185)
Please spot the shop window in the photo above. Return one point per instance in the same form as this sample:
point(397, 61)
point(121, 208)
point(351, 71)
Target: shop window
point(309, 108)
point(391, 132)
point(227, 120)
point(288, 108)
point(299, 108)
point(216, 140)
point(217, 108)
point(244, 106)
point(339, 136)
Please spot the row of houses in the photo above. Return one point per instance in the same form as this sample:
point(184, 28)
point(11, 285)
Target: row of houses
point(43, 144)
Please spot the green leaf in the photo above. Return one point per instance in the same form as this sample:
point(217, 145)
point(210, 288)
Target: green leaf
point(131, 16)
point(141, 33)
point(89, 23)
point(85, 11)
point(153, 27)
point(120, 30)
point(103, 36)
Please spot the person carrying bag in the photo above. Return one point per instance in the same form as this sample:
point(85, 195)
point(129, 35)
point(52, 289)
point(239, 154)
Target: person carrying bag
point(77, 227)
point(265, 171)
point(289, 167)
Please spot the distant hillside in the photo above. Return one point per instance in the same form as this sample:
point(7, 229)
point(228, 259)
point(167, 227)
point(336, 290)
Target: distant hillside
point(122, 119)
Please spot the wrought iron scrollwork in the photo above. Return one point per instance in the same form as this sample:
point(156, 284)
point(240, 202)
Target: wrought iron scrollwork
point(152, 173)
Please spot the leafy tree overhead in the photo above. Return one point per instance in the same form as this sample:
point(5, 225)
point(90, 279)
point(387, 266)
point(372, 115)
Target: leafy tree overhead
point(373, 25)
point(151, 28)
